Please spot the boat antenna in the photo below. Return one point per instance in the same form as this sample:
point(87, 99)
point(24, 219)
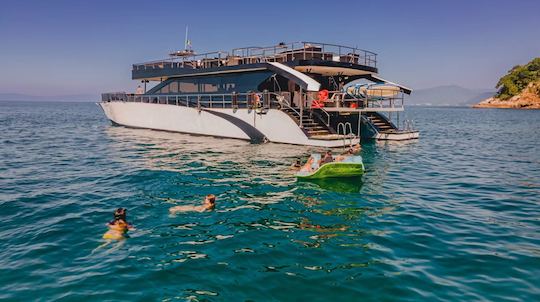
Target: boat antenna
point(187, 52)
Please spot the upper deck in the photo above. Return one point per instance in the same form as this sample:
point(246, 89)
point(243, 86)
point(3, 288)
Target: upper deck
point(302, 56)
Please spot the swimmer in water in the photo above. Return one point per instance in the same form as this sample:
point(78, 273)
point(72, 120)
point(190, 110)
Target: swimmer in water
point(326, 158)
point(352, 151)
point(355, 150)
point(209, 204)
point(308, 167)
point(297, 165)
point(119, 226)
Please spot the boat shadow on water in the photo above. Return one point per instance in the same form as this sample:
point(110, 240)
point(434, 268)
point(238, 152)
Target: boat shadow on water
point(339, 185)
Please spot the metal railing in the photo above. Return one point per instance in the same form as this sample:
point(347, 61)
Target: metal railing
point(266, 99)
point(369, 123)
point(278, 53)
point(307, 51)
point(195, 61)
point(408, 125)
point(376, 99)
point(223, 100)
point(346, 134)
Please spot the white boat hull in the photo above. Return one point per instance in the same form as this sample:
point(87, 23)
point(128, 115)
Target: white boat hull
point(274, 125)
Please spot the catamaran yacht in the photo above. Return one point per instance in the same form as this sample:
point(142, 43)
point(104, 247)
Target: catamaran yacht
point(303, 93)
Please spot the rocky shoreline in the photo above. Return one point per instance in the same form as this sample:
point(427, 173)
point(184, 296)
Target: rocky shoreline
point(529, 98)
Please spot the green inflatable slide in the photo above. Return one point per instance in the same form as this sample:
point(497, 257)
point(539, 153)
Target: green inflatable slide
point(351, 166)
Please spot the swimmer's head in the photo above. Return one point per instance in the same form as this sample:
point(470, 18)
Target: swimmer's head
point(120, 214)
point(210, 200)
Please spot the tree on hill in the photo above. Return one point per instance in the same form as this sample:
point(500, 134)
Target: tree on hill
point(517, 79)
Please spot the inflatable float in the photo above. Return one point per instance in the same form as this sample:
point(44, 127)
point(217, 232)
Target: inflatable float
point(350, 166)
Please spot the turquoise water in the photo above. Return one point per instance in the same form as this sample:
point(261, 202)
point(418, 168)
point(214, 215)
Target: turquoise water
point(452, 216)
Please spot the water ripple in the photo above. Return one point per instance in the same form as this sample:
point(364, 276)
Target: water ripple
point(452, 216)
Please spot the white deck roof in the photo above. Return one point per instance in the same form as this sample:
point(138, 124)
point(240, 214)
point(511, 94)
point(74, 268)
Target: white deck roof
point(311, 84)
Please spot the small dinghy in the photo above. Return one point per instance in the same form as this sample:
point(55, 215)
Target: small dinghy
point(349, 166)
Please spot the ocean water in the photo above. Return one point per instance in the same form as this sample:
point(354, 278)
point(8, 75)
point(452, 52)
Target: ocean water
point(453, 216)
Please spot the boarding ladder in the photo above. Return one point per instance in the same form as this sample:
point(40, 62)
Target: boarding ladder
point(346, 135)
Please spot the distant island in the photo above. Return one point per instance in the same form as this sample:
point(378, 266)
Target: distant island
point(448, 95)
point(519, 89)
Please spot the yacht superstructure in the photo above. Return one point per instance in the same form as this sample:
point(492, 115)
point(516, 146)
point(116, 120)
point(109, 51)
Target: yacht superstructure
point(304, 93)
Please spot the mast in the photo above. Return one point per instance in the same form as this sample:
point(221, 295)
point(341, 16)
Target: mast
point(187, 52)
point(186, 40)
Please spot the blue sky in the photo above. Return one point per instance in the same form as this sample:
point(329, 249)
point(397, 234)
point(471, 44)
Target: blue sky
point(87, 47)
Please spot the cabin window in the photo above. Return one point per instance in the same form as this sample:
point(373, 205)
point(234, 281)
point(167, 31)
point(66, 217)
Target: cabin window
point(187, 87)
point(224, 83)
point(173, 87)
point(165, 89)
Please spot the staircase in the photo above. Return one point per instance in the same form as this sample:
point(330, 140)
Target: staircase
point(311, 125)
point(381, 124)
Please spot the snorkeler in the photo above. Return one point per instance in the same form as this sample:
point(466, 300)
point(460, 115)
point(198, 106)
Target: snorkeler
point(119, 226)
point(209, 204)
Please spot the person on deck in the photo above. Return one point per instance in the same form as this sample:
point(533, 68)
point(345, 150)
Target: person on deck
point(139, 90)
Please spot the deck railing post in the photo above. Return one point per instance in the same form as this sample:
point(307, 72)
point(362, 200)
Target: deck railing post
point(301, 108)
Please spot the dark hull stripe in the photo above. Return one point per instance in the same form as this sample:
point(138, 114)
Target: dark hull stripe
point(255, 135)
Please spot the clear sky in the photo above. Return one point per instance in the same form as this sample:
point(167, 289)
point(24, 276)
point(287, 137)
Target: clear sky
point(87, 47)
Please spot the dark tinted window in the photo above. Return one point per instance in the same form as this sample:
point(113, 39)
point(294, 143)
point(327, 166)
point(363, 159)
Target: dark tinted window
point(225, 83)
